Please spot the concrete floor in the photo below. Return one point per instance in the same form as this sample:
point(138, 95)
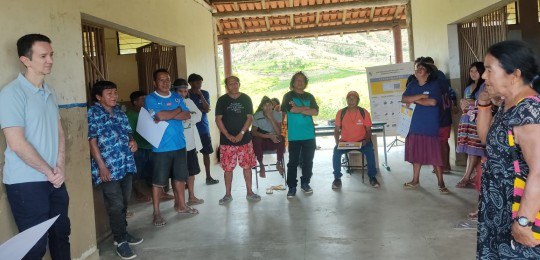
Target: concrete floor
point(356, 222)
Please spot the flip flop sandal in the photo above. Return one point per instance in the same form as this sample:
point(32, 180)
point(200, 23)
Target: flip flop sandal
point(188, 211)
point(159, 221)
point(195, 202)
point(444, 190)
point(410, 186)
point(278, 187)
point(462, 184)
point(473, 216)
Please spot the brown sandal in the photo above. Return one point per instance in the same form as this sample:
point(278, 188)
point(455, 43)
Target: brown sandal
point(444, 190)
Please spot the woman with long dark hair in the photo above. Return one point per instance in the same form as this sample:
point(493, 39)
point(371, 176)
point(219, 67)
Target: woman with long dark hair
point(468, 141)
point(266, 132)
point(509, 219)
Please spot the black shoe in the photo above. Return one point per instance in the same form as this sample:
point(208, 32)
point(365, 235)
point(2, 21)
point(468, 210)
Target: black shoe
point(374, 183)
point(211, 181)
point(291, 193)
point(336, 184)
point(124, 251)
point(306, 188)
point(132, 241)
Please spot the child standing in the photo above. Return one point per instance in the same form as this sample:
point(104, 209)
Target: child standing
point(112, 163)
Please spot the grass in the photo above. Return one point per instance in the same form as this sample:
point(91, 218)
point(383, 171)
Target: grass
point(334, 65)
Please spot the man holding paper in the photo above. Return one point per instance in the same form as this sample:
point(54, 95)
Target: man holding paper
point(169, 158)
point(353, 127)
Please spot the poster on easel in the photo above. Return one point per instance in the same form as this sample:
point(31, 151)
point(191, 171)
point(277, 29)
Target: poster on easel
point(405, 118)
point(386, 85)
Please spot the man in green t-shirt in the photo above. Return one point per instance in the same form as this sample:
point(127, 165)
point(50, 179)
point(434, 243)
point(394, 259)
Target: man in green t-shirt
point(142, 155)
point(300, 107)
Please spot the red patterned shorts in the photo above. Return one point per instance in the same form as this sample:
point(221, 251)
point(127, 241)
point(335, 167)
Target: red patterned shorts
point(230, 154)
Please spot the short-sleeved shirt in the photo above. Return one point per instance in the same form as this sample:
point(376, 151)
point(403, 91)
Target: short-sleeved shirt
point(496, 193)
point(260, 121)
point(353, 127)
point(133, 117)
point(111, 132)
point(36, 110)
point(445, 106)
point(173, 138)
point(467, 94)
point(425, 119)
point(203, 126)
point(299, 126)
point(234, 114)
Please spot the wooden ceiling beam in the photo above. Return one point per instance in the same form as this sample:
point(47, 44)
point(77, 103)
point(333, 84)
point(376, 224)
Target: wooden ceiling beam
point(309, 9)
point(311, 32)
point(267, 22)
point(396, 14)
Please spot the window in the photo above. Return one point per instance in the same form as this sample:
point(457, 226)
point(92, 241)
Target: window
point(512, 13)
point(128, 44)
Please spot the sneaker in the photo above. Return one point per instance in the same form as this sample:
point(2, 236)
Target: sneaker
point(211, 181)
point(306, 188)
point(336, 184)
point(124, 251)
point(132, 241)
point(374, 183)
point(291, 193)
point(226, 199)
point(253, 197)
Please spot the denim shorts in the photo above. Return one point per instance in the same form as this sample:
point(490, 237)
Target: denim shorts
point(172, 163)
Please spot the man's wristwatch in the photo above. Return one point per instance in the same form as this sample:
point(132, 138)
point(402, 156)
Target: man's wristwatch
point(523, 221)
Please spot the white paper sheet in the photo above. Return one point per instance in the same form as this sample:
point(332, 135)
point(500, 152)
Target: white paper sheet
point(149, 130)
point(18, 246)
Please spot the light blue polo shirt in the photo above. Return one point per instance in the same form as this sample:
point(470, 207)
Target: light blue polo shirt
point(36, 110)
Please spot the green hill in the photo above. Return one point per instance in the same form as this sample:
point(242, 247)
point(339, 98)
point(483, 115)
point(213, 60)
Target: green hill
point(334, 65)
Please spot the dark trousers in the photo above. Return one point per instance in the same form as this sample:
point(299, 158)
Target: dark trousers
point(300, 150)
point(264, 144)
point(144, 165)
point(34, 202)
point(116, 195)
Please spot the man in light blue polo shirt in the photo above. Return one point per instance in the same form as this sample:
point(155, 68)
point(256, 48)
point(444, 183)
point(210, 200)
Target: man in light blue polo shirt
point(35, 153)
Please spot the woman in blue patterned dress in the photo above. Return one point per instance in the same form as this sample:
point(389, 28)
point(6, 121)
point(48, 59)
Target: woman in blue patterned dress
point(512, 75)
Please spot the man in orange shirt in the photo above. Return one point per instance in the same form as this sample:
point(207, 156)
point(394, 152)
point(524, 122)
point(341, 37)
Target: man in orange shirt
point(353, 125)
